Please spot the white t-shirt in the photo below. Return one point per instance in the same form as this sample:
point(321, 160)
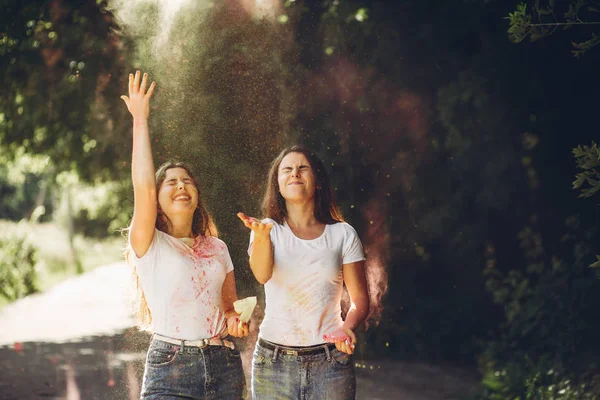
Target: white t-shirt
point(304, 293)
point(183, 285)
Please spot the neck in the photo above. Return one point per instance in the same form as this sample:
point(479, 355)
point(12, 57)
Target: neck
point(301, 215)
point(180, 227)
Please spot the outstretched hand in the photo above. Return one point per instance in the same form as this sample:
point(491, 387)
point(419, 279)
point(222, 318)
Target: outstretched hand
point(260, 229)
point(138, 102)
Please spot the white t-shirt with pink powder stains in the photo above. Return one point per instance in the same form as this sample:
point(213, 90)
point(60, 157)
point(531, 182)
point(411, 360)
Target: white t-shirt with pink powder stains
point(304, 293)
point(183, 285)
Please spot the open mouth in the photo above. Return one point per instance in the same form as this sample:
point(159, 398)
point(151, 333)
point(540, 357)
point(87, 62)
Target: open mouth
point(182, 197)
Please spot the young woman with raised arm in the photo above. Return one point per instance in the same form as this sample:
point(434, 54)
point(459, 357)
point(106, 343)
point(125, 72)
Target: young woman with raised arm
point(184, 274)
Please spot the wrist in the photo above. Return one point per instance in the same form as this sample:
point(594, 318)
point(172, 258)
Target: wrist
point(348, 325)
point(262, 238)
point(137, 121)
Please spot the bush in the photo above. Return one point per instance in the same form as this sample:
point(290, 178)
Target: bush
point(547, 347)
point(18, 277)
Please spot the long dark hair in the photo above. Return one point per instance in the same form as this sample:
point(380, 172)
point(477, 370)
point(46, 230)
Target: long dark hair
point(202, 222)
point(273, 204)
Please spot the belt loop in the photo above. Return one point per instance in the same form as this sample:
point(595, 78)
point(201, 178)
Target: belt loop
point(275, 352)
point(181, 347)
point(327, 352)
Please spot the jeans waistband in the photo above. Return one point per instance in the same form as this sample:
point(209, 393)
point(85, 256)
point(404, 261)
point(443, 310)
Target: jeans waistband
point(297, 351)
point(202, 343)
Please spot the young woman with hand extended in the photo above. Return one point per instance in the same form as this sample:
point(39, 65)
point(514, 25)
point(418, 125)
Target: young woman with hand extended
point(185, 275)
point(304, 253)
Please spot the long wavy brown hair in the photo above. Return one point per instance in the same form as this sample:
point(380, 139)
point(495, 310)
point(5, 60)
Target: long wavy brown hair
point(202, 225)
point(273, 204)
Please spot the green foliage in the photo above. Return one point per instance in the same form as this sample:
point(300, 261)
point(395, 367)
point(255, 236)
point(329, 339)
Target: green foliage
point(547, 346)
point(62, 67)
point(25, 186)
point(588, 160)
point(102, 209)
point(53, 256)
point(520, 25)
point(18, 258)
point(98, 209)
point(541, 21)
point(581, 48)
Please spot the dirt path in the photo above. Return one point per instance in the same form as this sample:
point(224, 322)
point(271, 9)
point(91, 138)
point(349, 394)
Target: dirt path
point(75, 342)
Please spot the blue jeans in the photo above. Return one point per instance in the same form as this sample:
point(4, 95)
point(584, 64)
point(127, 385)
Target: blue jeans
point(212, 372)
point(328, 375)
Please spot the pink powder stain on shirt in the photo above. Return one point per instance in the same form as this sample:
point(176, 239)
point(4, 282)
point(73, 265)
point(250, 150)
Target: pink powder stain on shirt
point(196, 286)
point(206, 247)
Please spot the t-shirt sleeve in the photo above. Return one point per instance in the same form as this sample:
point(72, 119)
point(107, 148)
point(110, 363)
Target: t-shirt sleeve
point(226, 257)
point(271, 234)
point(133, 259)
point(352, 249)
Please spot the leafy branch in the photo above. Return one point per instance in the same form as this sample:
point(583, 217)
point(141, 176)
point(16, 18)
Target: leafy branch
point(588, 160)
point(541, 22)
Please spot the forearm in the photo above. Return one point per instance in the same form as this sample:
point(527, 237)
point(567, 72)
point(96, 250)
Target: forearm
point(261, 259)
point(142, 164)
point(229, 294)
point(358, 312)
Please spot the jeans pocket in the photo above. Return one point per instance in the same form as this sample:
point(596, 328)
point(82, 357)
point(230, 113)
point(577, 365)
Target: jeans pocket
point(340, 358)
point(261, 360)
point(158, 357)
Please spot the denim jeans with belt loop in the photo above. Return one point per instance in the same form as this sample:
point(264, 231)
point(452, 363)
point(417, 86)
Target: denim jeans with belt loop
point(176, 371)
point(301, 373)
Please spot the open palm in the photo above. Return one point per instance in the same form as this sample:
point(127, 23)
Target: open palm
point(138, 101)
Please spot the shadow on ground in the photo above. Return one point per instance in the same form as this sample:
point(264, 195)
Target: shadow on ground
point(99, 367)
point(111, 367)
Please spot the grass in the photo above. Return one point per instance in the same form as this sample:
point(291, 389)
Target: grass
point(55, 259)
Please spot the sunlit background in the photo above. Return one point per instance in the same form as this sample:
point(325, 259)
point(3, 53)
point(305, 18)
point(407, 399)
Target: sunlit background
point(459, 137)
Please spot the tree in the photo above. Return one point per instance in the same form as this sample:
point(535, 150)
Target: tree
point(62, 67)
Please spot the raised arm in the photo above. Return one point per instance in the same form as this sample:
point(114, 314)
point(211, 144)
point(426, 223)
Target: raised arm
point(142, 165)
point(261, 253)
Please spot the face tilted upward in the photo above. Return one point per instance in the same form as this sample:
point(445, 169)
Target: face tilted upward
point(177, 194)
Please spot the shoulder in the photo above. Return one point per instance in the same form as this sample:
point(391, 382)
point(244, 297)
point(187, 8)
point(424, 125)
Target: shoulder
point(344, 228)
point(277, 227)
point(344, 232)
point(159, 240)
point(269, 221)
point(159, 237)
